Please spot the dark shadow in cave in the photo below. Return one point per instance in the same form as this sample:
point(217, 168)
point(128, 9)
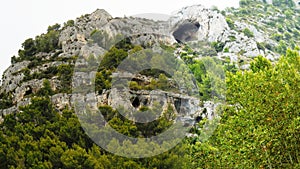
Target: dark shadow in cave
point(136, 102)
point(177, 103)
point(186, 32)
point(29, 91)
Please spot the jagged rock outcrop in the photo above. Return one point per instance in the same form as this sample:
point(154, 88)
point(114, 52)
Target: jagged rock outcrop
point(10, 79)
point(187, 108)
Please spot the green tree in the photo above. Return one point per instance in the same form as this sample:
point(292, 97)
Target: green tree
point(113, 58)
point(230, 23)
point(46, 90)
point(76, 157)
point(65, 73)
point(260, 63)
point(260, 126)
point(29, 49)
point(218, 46)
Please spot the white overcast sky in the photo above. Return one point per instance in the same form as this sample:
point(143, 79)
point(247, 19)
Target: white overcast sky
point(23, 19)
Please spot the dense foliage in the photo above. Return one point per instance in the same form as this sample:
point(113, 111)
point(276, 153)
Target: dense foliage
point(261, 126)
point(40, 137)
point(48, 42)
point(259, 129)
point(5, 101)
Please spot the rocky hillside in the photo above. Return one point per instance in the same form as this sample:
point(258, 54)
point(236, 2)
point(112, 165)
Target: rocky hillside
point(268, 31)
point(137, 67)
point(198, 31)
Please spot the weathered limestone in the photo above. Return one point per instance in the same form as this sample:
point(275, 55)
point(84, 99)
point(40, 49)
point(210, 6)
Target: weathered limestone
point(194, 23)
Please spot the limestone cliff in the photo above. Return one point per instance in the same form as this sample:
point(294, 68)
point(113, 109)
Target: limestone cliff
point(231, 37)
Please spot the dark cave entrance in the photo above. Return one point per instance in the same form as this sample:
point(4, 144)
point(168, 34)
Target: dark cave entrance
point(28, 91)
point(136, 102)
point(177, 103)
point(186, 32)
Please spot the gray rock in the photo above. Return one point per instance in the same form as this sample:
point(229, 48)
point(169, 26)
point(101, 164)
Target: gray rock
point(5, 112)
point(93, 50)
point(31, 87)
point(245, 67)
point(83, 79)
point(11, 77)
point(61, 101)
point(45, 66)
point(212, 25)
point(186, 107)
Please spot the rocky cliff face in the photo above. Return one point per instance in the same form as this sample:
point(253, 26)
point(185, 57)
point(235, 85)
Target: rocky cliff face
point(190, 24)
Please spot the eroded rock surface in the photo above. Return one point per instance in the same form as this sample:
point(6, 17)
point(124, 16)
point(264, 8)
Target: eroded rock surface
point(194, 23)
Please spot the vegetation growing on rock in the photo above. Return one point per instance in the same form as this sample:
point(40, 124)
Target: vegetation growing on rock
point(260, 122)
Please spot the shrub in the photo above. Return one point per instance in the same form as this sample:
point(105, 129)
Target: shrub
point(218, 46)
point(230, 23)
point(277, 37)
point(232, 38)
point(248, 33)
point(226, 50)
point(133, 85)
point(260, 46)
point(5, 101)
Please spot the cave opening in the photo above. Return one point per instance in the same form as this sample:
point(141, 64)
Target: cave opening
point(145, 102)
point(177, 103)
point(186, 32)
point(136, 102)
point(28, 91)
